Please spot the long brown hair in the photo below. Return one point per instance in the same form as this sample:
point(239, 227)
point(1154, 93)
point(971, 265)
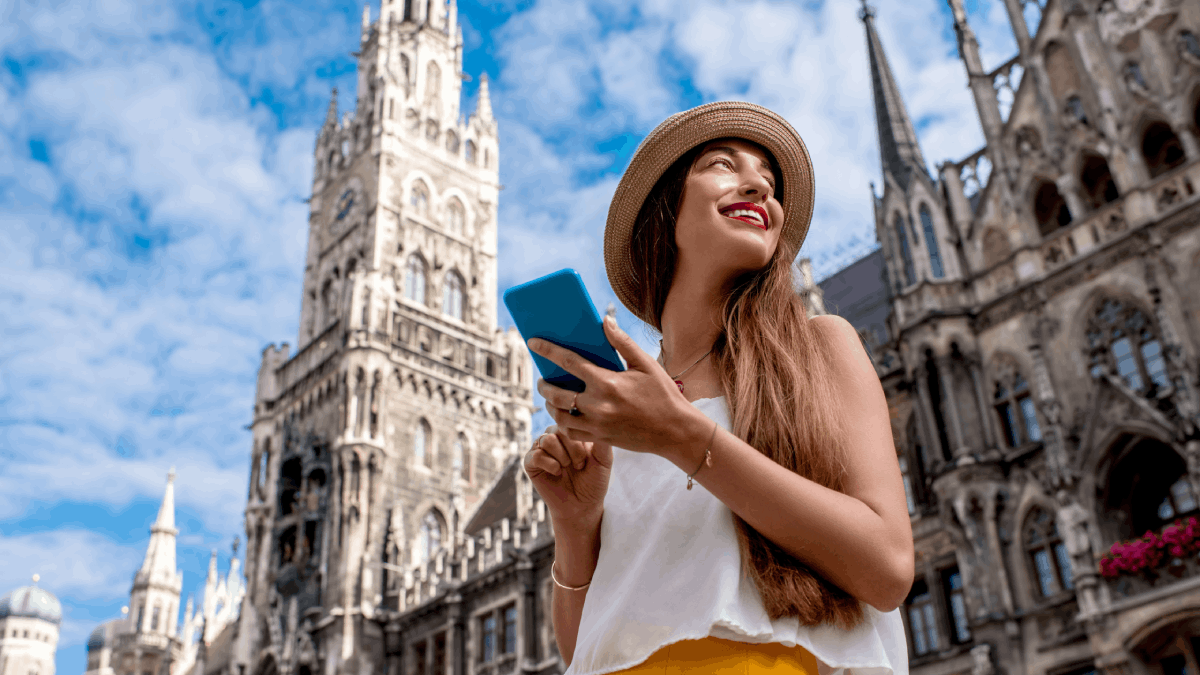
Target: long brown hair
point(772, 366)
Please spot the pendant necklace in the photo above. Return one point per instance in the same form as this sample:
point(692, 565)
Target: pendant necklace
point(679, 382)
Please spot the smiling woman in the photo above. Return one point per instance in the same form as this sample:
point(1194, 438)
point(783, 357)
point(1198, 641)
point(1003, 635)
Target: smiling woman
point(804, 498)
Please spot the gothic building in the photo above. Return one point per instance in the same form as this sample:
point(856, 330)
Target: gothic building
point(403, 403)
point(1040, 352)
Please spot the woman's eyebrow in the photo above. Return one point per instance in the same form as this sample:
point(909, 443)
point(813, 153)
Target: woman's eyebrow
point(731, 151)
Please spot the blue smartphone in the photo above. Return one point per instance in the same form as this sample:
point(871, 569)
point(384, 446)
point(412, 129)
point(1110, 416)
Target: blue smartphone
point(557, 308)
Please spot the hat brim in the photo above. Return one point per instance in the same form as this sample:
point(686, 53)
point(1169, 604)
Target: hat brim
point(671, 140)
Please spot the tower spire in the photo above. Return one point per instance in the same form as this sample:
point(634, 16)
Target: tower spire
point(483, 108)
point(899, 150)
point(160, 554)
point(331, 115)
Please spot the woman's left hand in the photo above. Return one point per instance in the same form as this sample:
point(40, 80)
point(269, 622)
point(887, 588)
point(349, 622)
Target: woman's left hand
point(640, 409)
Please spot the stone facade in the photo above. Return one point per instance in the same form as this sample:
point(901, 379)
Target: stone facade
point(29, 621)
point(1041, 358)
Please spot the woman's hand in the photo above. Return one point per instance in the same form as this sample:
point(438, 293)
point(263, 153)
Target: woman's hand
point(640, 409)
point(571, 476)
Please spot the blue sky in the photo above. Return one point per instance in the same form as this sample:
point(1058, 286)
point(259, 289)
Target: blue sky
point(154, 159)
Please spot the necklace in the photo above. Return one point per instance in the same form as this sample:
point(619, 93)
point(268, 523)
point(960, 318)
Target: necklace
point(678, 382)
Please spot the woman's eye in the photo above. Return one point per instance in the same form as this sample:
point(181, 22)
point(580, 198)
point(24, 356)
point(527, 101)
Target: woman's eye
point(722, 160)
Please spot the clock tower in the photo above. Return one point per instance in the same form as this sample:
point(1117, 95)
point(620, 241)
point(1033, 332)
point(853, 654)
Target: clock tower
point(403, 401)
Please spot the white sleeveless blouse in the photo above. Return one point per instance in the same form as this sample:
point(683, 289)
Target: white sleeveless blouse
point(669, 570)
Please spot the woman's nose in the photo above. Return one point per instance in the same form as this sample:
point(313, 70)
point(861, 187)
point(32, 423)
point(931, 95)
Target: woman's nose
point(753, 183)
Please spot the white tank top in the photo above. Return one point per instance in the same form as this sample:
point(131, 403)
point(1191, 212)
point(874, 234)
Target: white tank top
point(669, 570)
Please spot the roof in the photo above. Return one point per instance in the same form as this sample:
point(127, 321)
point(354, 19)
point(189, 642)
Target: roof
point(31, 601)
point(500, 501)
point(859, 294)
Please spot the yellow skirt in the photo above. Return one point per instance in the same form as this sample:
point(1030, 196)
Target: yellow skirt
point(716, 656)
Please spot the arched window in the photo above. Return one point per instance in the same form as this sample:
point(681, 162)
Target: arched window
point(1097, 181)
point(1014, 406)
point(910, 276)
point(433, 86)
point(452, 142)
point(462, 460)
point(1189, 44)
point(452, 295)
point(431, 129)
point(469, 152)
point(1180, 500)
point(454, 217)
point(487, 161)
point(1162, 149)
point(931, 243)
point(429, 542)
point(1122, 340)
point(1047, 554)
point(422, 453)
point(420, 198)
point(414, 279)
point(1049, 208)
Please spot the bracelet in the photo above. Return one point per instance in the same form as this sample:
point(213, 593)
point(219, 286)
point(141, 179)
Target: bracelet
point(707, 461)
point(562, 585)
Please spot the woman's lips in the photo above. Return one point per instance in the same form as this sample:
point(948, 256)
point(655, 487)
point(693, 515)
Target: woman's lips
point(762, 222)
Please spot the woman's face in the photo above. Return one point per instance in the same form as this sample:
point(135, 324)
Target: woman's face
point(729, 219)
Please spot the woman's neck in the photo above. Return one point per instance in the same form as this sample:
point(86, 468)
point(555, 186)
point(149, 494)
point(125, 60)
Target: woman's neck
point(691, 323)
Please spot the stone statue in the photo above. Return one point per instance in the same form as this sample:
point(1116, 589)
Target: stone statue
point(981, 660)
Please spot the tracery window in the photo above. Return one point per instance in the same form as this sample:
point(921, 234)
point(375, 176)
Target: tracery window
point(431, 129)
point(430, 539)
point(1075, 109)
point(452, 295)
point(953, 583)
point(1047, 554)
point(1180, 500)
point(922, 619)
point(455, 217)
point(910, 276)
point(452, 142)
point(931, 242)
point(1033, 11)
point(420, 198)
point(1189, 44)
point(1123, 340)
point(469, 153)
point(422, 453)
point(462, 462)
point(1014, 406)
point(414, 279)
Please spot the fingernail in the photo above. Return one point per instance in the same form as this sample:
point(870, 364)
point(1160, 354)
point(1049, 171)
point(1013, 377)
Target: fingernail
point(609, 320)
point(535, 344)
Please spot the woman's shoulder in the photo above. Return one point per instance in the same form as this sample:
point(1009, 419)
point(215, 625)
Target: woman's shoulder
point(847, 356)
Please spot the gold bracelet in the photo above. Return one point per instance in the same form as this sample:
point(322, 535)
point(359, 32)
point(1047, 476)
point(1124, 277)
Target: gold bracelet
point(562, 585)
point(707, 461)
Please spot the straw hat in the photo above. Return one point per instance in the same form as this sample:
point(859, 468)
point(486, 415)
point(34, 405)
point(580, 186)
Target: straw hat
point(671, 140)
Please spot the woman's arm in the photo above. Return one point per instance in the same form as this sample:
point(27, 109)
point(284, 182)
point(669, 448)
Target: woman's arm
point(576, 549)
point(861, 540)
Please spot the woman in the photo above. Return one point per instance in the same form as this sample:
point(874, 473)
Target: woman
point(797, 548)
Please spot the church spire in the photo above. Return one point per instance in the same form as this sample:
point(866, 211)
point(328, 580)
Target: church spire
point(899, 150)
point(160, 554)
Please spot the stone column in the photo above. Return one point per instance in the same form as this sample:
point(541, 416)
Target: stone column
point(458, 644)
point(1020, 29)
point(993, 535)
point(927, 421)
point(1043, 389)
point(1069, 188)
point(956, 432)
point(985, 416)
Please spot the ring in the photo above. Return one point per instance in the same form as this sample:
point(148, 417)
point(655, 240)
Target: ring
point(574, 411)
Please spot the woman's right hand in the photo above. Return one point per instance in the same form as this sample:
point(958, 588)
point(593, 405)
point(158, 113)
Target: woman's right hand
point(572, 495)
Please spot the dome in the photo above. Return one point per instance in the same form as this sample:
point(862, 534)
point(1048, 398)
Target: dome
point(31, 601)
point(102, 636)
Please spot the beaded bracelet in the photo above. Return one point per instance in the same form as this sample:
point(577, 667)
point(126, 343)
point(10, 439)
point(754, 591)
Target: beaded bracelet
point(707, 461)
